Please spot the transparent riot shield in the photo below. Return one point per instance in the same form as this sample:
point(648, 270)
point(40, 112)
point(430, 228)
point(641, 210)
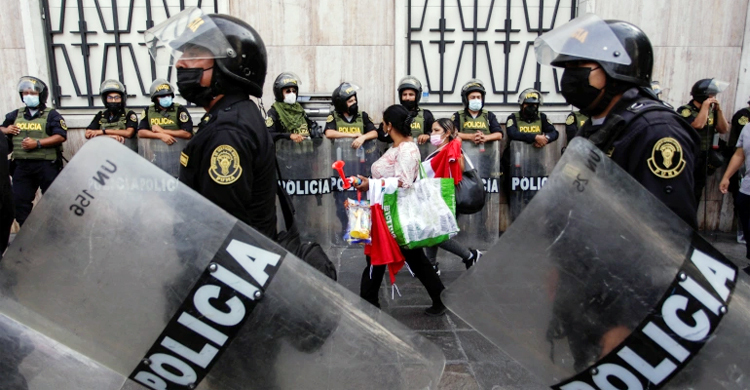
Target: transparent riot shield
point(129, 268)
point(529, 169)
point(356, 162)
point(306, 177)
point(166, 157)
point(132, 143)
point(598, 285)
point(481, 230)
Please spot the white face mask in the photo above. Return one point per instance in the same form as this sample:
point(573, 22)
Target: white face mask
point(290, 98)
point(436, 139)
point(475, 104)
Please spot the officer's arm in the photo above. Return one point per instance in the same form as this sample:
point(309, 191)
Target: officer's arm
point(57, 130)
point(549, 129)
point(370, 131)
point(722, 126)
point(737, 127)
point(429, 119)
point(273, 125)
point(94, 125)
point(179, 133)
point(145, 133)
point(335, 134)
point(496, 131)
point(701, 120)
point(10, 118)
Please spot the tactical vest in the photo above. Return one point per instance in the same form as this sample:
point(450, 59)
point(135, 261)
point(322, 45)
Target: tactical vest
point(36, 129)
point(120, 124)
point(706, 133)
point(470, 125)
point(168, 120)
point(356, 127)
point(417, 126)
point(529, 128)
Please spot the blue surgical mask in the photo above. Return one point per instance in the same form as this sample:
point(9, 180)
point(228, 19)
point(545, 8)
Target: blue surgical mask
point(165, 101)
point(31, 100)
point(475, 104)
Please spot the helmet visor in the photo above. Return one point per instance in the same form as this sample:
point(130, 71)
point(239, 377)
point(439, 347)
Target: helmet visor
point(409, 82)
point(716, 87)
point(587, 37)
point(191, 34)
point(30, 84)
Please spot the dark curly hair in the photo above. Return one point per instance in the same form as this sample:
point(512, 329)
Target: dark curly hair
point(400, 118)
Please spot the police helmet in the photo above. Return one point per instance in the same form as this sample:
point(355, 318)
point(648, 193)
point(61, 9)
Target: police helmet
point(112, 85)
point(34, 84)
point(622, 49)
point(160, 87)
point(702, 89)
point(341, 94)
point(283, 81)
point(530, 96)
point(472, 86)
point(410, 82)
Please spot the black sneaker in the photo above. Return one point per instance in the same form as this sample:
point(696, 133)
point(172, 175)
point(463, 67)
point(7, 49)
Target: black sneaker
point(435, 267)
point(435, 310)
point(474, 259)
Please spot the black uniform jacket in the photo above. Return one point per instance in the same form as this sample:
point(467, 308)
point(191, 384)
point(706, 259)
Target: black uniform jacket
point(232, 162)
point(658, 149)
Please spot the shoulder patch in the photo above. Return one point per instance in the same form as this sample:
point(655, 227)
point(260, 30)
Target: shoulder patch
point(667, 160)
point(225, 165)
point(453, 117)
point(183, 159)
point(269, 122)
point(570, 119)
point(509, 123)
point(133, 117)
point(184, 117)
point(742, 120)
point(63, 125)
point(143, 113)
point(685, 112)
point(329, 119)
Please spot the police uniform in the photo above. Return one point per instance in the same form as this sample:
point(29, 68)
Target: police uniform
point(486, 122)
point(175, 117)
point(657, 148)
point(307, 128)
point(526, 131)
point(703, 166)
point(231, 161)
point(108, 120)
point(358, 124)
point(35, 168)
point(573, 122)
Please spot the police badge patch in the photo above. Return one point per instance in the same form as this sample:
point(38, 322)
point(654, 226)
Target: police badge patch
point(685, 112)
point(666, 159)
point(742, 121)
point(329, 119)
point(570, 120)
point(184, 117)
point(133, 117)
point(225, 165)
point(269, 122)
point(184, 159)
point(63, 125)
point(509, 123)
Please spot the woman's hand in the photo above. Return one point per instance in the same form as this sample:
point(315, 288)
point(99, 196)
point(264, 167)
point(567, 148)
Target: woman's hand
point(364, 186)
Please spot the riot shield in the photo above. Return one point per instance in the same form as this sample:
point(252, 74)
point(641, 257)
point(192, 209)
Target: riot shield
point(529, 169)
point(598, 285)
point(306, 177)
point(356, 162)
point(481, 230)
point(128, 267)
point(132, 143)
point(166, 157)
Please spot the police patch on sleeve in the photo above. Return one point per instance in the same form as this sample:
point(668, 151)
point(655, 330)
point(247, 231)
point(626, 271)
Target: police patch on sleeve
point(329, 119)
point(269, 122)
point(509, 123)
point(666, 159)
point(742, 121)
point(685, 112)
point(570, 120)
point(225, 165)
point(183, 159)
point(453, 117)
point(133, 117)
point(143, 113)
point(63, 125)
point(184, 117)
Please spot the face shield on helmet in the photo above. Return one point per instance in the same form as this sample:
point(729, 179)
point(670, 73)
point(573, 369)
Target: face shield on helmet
point(702, 89)
point(28, 83)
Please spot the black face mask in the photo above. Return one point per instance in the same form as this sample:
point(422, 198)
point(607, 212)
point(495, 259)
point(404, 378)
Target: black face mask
point(700, 98)
point(113, 107)
point(575, 88)
point(410, 105)
point(530, 112)
point(353, 109)
point(189, 83)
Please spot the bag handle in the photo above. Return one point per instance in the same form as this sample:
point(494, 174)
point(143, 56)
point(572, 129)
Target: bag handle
point(466, 158)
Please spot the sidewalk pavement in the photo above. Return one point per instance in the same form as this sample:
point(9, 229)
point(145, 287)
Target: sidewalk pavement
point(472, 362)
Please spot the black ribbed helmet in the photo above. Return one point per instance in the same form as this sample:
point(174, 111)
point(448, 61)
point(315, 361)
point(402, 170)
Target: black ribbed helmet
point(283, 81)
point(472, 86)
point(410, 82)
point(112, 85)
point(341, 94)
point(160, 87)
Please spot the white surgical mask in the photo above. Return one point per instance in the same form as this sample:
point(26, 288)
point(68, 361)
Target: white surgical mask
point(436, 139)
point(165, 101)
point(475, 104)
point(31, 100)
point(290, 98)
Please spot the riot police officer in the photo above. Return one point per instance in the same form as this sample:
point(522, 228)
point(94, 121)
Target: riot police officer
point(115, 120)
point(409, 95)
point(573, 122)
point(286, 118)
point(705, 115)
point(231, 159)
point(529, 125)
point(165, 119)
point(610, 82)
point(347, 121)
point(475, 123)
point(35, 135)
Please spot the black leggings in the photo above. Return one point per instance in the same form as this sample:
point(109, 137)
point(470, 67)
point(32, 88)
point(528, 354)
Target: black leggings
point(742, 205)
point(369, 287)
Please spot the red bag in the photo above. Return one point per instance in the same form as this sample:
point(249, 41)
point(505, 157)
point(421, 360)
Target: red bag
point(383, 250)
